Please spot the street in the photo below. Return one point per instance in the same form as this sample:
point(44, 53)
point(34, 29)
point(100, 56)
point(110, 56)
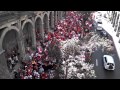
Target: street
point(101, 73)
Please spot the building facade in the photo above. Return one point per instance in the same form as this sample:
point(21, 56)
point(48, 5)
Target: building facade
point(115, 21)
point(18, 26)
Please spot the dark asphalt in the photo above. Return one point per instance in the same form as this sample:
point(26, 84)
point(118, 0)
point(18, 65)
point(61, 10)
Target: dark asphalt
point(101, 73)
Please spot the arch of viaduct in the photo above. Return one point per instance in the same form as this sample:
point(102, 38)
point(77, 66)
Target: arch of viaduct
point(27, 28)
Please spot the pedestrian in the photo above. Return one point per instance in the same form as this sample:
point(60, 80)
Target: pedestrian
point(9, 62)
point(12, 63)
point(26, 77)
point(30, 77)
point(15, 75)
point(41, 69)
point(16, 59)
point(44, 75)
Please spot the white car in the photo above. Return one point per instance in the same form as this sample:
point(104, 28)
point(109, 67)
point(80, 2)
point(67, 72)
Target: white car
point(109, 63)
point(98, 18)
point(99, 26)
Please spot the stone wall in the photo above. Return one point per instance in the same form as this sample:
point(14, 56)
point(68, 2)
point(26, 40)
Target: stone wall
point(4, 73)
point(17, 24)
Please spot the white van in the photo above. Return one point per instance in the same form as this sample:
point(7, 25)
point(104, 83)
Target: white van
point(109, 63)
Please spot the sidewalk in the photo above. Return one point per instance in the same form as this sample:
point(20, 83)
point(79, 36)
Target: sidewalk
point(108, 27)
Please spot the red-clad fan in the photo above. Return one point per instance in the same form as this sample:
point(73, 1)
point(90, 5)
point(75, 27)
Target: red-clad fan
point(44, 75)
point(53, 42)
point(78, 29)
point(29, 71)
point(39, 49)
point(46, 51)
point(49, 36)
point(39, 57)
point(35, 67)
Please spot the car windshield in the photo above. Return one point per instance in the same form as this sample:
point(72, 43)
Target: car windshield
point(111, 64)
point(99, 22)
point(104, 32)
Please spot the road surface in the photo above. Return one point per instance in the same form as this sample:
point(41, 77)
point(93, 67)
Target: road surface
point(101, 73)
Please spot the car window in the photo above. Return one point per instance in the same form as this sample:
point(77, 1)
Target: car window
point(105, 59)
point(112, 64)
point(99, 22)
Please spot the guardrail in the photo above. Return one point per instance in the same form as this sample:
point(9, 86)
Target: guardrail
point(8, 16)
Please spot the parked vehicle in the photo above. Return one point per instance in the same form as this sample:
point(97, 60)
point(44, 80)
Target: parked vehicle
point(109, 63)
point(99, 24)
point(104, 33)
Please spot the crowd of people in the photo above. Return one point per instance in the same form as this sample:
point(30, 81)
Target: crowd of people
point(44, 61)
point(12, 58)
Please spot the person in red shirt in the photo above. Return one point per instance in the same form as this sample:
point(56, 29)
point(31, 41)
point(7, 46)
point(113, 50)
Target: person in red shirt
point(22, 76)
point(46, 51)
point(35, 67)
point(43, 56)
point(49, 36)
point(29, 71)
point(44, 75)
point(38, 57)
point(39, 49)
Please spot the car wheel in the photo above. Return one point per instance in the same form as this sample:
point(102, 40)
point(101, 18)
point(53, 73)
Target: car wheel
point(104, 65)
point(105, 68)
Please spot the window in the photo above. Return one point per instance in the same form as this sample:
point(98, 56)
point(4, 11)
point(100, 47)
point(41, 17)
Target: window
point(99, 22)
point(111, 64)
point(105, 59)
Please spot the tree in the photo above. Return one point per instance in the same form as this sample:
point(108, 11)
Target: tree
point(54, 51)
point(74, 67)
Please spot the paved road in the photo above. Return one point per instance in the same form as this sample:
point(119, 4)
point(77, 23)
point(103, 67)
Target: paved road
point(99, 69)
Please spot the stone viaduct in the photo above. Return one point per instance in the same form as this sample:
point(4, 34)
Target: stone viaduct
point(17, 26)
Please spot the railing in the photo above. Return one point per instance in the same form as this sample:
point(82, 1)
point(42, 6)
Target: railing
point(8, 16)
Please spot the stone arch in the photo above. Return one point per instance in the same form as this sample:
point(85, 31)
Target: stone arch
point(9, 41)
point(12, 41)
point(28, 33)
point(4, 44)
point(51, 20)
point(39, 28)
point(45, 23)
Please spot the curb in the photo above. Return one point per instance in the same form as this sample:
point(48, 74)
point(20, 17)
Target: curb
point(113, 38)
